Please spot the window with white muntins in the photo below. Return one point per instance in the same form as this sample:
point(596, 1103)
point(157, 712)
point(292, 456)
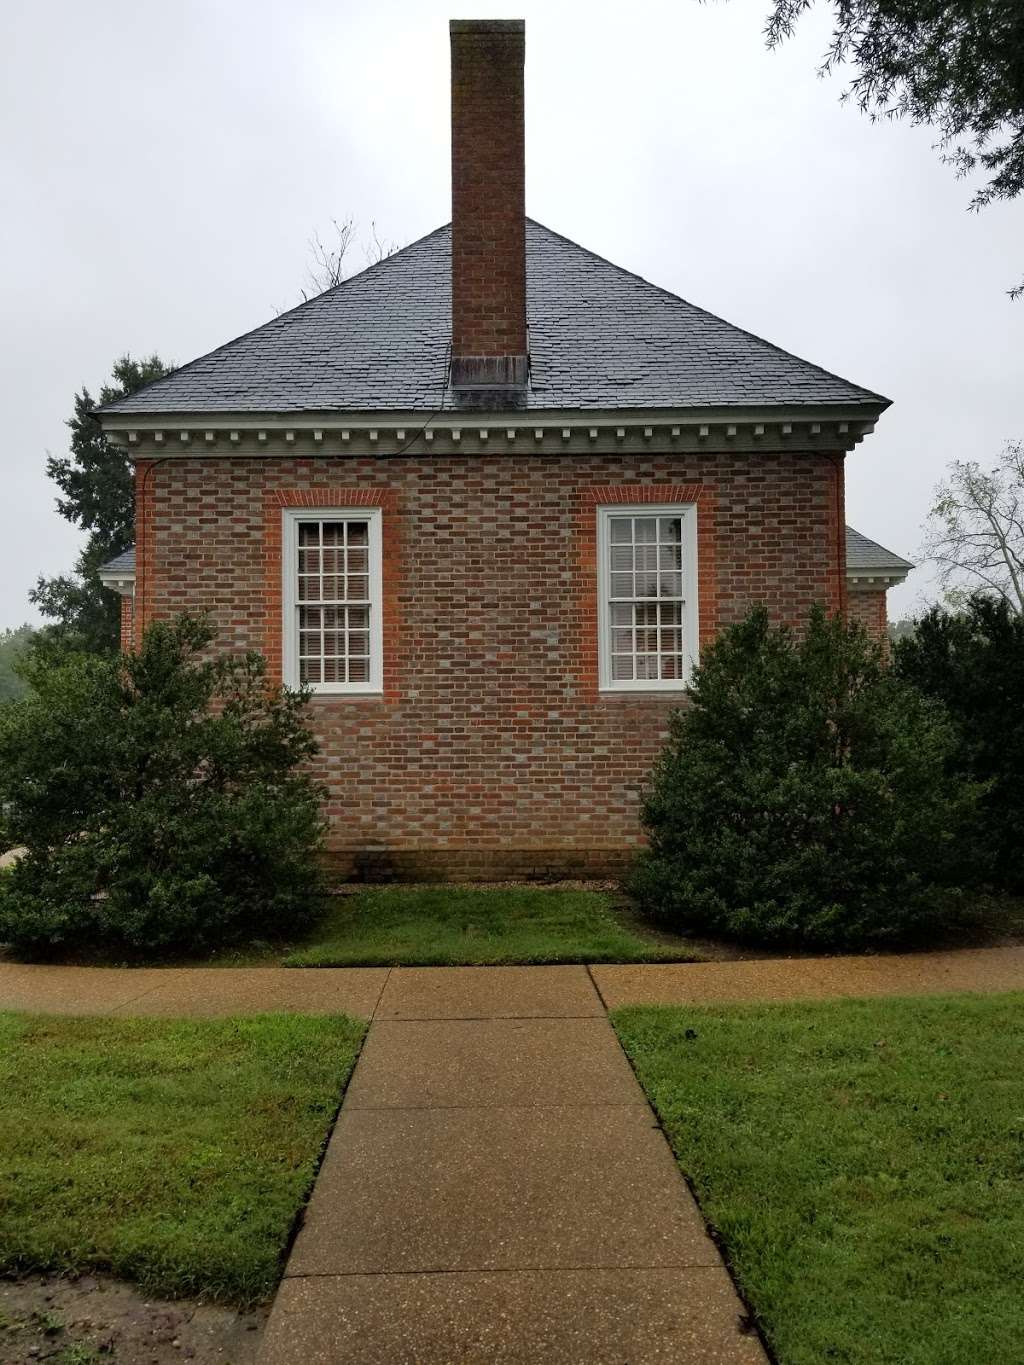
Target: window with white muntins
point(647, 602)
point(333, 632)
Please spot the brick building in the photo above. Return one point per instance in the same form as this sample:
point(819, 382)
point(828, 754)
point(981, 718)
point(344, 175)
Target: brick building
point(487, 499)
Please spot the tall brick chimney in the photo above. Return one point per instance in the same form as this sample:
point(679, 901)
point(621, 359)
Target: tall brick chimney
point(488, 205)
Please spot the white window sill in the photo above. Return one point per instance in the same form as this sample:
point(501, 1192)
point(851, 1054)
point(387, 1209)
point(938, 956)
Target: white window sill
point(644, 691)
point(363, 695)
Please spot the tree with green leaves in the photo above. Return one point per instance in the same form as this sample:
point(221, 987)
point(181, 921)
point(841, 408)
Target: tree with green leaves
point(954, 65)
point(161, 799)
point(805, 796)
point(97, 494)
point(13, 644)
point(972, 661)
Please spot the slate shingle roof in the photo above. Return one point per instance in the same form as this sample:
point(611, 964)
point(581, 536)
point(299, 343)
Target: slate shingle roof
point(864, 554)
point(122, 564)
point(861, 553)
point(600, 338)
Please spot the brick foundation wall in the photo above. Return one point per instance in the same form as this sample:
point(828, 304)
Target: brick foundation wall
point(491, 752)
point(867, 606)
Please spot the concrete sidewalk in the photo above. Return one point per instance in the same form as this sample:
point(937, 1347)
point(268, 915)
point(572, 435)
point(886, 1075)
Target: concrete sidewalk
point(490, 992)
point(812, 978)
point(497, 1189)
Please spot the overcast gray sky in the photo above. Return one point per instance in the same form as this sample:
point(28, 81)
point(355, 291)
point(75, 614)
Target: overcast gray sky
point(163, 166)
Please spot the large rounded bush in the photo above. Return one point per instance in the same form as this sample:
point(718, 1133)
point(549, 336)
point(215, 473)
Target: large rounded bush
point(972, 660)
point(159, 798)
point(804, 796)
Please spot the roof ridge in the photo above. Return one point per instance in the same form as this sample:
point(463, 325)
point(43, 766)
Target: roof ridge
point(678, 298)
point(242, 336)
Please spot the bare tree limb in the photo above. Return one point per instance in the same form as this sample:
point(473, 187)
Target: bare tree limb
point(975, 530)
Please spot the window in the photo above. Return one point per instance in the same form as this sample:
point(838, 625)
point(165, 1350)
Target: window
point(332, 600)
point(647, 604)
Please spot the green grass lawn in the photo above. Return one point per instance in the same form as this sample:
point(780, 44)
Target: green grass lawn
point(863, 1163)
point(173, 1154)
point(433, 926)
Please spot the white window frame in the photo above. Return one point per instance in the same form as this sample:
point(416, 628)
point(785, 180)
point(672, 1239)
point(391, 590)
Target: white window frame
point(292, 518)
point(687, 512)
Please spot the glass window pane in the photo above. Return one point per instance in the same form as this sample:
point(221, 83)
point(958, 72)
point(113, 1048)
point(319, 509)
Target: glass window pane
point(671, 584)
point(622, 614)
point(333, 532)
point(670, 613)
point(645, 530)
point(647, 585)
point(647, 556)
point(359, 642)
point(622, 585)
point(670, 557)
point(622, 641)
point(358, 533)
point(334, 670)
point(622, 667)
point(622, 557)
point(670, 529)
point(620, 530)
point(358, 560)
point(359, 670)
point(358, 618)
point(309, 533)
point(358, 587)
point(309, 670)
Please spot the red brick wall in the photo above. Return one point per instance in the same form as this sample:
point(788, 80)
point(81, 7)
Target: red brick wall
point(867, 607)
point(127, 624)
point(491, 735)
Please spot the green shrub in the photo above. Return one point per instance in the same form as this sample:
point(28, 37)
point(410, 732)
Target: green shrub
point(973, 662)
point(158, 798)
point(803, 798)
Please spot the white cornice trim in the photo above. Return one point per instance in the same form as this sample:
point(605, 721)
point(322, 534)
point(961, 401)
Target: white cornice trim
point(486, 432)
point(472, 419)
point(872, 579)
point(121, 582)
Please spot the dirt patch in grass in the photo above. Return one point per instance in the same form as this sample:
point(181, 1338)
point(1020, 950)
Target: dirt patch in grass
point(93, 1319)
